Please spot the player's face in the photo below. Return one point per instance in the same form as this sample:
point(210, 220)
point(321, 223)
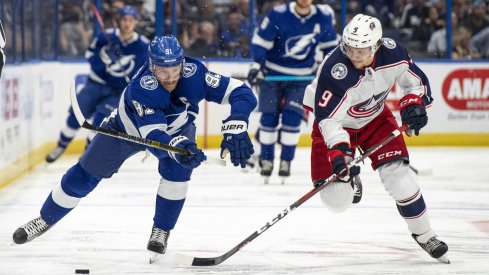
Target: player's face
point(168, 76)
point(304, 3)
point(127, 24)
point(360, 57)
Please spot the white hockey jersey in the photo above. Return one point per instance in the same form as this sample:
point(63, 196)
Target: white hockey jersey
point(342, 96)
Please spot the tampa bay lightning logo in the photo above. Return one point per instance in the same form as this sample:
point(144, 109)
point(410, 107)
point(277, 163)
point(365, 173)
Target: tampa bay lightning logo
point(148, 82)
point(123, 67)
point(369, 106)
point(189, 69)
point(298, 47)
point(339, 71)
point(389, 43)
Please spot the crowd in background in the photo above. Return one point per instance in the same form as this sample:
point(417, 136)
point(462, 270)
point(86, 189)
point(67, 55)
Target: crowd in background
point(221, 28)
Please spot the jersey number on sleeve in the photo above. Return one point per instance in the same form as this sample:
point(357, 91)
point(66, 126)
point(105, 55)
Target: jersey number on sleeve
point(325, 98)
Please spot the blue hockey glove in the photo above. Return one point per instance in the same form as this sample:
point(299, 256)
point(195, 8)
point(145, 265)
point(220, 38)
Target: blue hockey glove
point(255, 75)
point(110, 53)
point(191, 161)
point(413, 112)
point(236, 140)
point(340, 156)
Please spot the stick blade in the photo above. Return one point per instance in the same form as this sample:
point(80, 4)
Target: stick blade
point(183, 259)
point(195, 261)
point(75, 106)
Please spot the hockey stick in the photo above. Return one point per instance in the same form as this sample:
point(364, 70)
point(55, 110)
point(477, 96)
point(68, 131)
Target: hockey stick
point(107, 37)
point(421, 172)
point(289, 78)
point(196, 261)
point(139, 140)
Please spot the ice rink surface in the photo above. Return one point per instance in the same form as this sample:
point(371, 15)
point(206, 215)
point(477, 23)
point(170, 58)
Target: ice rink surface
point(107, 233)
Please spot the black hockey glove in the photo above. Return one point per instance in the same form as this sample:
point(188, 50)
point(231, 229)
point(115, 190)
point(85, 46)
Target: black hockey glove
point(413, 112)
point(191, 161)
point(236, 140)
point(255, 75)
point(110, 53)
point(340, 155)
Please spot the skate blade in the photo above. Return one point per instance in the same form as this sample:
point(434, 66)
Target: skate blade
point(443, 259)
point(282, 179)
point(153, 256)
point(266, 180)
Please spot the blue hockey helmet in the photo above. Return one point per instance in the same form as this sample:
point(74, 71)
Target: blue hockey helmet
point(128, 11)
point(165, 51)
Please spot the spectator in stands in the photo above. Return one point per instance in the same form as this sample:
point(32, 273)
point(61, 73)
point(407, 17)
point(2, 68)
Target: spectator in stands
point(206, 43)
point(411, 18)
point(381, 9)
point(479, 44)
point(147, 21)
point(430, 24)
point(461, 42)
point(477, 19)
point(74, 38)
point(235, 38)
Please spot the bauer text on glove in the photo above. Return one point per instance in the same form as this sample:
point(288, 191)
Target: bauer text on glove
point(236, 140)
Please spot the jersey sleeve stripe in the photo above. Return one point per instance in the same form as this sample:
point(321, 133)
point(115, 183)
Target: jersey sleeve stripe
point(146, 129)
point(257, 40)
point(233, 84)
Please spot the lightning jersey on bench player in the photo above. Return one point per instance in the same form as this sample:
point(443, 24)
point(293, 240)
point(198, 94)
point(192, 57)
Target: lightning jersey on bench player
point(133, 56)
point(147, 110)
point(287, 43)
point(342, 96)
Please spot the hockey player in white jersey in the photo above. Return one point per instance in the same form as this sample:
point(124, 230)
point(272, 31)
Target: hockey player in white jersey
point(291, 40)
point(160, 103)
point(348, 100)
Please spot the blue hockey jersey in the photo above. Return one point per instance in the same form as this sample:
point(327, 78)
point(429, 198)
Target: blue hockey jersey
point(147, 110)
point(288, 43)
point(342, 96)
point(134, 55)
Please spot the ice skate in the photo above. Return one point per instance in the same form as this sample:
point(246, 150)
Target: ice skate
point(266, 168)
point(435, 248)
point(157, 243)
point(284, 170)
point(55, 154)
point(30, 231)
point(356, 184)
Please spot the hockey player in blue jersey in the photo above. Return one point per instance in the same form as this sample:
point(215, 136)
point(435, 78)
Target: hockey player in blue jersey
point(114, 57)
point(291, 40)
point(160, 103)
point(348, 99)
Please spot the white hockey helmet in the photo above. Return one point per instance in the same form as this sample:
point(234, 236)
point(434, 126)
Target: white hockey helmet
point(363, 31)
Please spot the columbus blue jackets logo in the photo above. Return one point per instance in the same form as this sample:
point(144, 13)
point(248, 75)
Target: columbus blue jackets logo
point(389, 43)
point(339, 71)
point(189, 69)
point(148, 82)
point(369, 106)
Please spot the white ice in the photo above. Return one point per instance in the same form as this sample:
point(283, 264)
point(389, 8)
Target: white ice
point(108, 231)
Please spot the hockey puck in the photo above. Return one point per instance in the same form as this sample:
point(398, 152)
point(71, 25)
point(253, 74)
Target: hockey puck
point(82, 271)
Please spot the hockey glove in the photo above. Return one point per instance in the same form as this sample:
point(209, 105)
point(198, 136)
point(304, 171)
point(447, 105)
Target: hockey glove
point(255, 75)
point(109, 54)
point(413, 112)
point(191, 161)
point(340, 156)
point(236, 140)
